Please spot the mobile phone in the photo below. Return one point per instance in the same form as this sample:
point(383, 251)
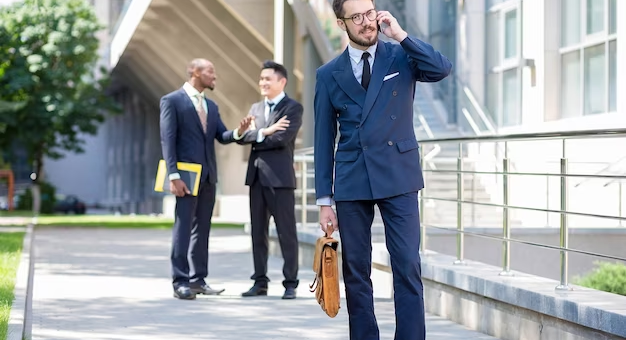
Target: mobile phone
point(380, 27)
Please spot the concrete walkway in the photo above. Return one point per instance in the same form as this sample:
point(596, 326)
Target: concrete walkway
point(114, 284)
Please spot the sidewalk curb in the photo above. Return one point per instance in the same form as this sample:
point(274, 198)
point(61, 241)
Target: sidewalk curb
point(20, 318)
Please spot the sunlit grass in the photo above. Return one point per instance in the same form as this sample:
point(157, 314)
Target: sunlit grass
point(10, 251)
point(108, 221)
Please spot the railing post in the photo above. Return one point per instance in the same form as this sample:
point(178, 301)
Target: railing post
point(547, 201)
point(619, 189)
point(303, 199)
point(460, 237)
point(422, 208)
point(506, 218)
point(564, 231)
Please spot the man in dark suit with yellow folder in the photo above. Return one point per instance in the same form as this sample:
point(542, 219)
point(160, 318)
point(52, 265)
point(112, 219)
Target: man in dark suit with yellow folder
point(189, 124)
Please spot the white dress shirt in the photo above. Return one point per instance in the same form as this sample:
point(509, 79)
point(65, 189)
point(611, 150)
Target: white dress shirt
point(260, 138)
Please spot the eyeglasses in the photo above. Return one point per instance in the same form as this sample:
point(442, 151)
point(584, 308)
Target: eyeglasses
point(358, 18)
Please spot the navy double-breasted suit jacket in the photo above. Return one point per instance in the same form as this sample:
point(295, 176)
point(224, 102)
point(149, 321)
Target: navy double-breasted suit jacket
point(377, 154)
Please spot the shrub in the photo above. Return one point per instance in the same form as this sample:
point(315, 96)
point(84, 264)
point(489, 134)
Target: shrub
point(48, 199)
point(608, 277)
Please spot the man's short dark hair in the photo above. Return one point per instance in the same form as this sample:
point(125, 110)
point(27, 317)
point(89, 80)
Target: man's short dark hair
point(278, 68)
point(338, 8)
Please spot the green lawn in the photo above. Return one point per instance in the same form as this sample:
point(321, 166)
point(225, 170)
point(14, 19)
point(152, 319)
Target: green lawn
point(10, 251)
point(106, 221)
point(112, 221)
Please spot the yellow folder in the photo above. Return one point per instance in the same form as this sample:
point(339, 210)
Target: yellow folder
point(189, 173)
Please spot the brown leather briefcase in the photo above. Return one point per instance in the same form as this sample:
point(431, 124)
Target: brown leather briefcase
point(326, 268)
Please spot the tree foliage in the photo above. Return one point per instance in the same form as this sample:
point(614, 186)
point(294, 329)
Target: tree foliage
point(51, 89)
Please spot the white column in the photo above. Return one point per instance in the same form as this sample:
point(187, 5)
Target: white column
point(621, 57)
point(279, 30)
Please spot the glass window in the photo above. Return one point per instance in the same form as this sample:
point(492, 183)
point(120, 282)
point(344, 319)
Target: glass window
point(491, 3)
point(595, 80)
point(570, 22)
point(612, 16)
point(510, 98)
point(493, 40)
point(510, 34)
point(493, 96)
point(613, 76)
point(595, 16)
point(570, 84)
point(503, 78)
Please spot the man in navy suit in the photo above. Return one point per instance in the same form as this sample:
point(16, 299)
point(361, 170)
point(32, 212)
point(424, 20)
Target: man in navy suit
point(368, 90)
point(189, 125)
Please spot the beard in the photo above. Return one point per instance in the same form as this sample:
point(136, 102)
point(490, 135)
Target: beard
point(363, 41)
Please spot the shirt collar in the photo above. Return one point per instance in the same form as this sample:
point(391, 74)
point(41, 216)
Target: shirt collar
point(191, 91)
point(276, 99)
point(356, 54)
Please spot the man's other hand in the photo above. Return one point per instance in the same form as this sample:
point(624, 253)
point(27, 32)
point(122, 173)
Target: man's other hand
point(280, 125)
point(179, 188)
point(244, 124)
point(328, 219)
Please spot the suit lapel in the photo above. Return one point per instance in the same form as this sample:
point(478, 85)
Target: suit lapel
point(259, 114)
point(346, 80)
point(382, 63)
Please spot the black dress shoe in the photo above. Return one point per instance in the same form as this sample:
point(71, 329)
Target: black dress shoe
point(206, 290)
point(184, 293)
point(256, 291)
point(290, 293)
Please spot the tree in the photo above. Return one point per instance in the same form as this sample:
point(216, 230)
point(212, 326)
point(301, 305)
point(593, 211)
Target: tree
point(49, 87)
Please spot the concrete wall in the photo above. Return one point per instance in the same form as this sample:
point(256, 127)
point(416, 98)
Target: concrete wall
point(257, 13)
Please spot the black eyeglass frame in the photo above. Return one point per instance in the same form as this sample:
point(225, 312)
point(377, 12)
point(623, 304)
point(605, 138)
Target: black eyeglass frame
point(362, 16)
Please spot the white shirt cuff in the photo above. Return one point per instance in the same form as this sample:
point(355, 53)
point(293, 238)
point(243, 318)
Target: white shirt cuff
point(259, 137)
point(236, 135)
point(174, 176)
point(326, 200)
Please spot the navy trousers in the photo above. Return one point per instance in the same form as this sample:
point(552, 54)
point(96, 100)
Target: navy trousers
point(402, 233)
point(190, 237)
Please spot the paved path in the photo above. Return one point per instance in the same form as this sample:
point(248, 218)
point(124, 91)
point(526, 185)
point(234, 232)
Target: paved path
point(114, 284)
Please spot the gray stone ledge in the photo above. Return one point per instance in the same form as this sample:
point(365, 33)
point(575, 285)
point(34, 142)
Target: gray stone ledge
point(590, 308)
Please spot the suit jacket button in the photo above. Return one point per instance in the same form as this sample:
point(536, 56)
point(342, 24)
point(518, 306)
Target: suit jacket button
point(393, 117)
point(390, 143)
point(358, 126)
point(395, 93)
point(345, 107)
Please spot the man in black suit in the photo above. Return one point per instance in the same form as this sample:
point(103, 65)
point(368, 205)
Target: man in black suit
point(271, 177)
point(189, 125)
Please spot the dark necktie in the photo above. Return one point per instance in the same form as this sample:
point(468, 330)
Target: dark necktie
point(270, 105)
point(365, 81)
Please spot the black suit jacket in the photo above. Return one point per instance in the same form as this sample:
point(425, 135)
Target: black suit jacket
point(271, 161)
point(182, 138)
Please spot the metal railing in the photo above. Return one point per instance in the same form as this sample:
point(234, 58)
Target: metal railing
point(304, 157)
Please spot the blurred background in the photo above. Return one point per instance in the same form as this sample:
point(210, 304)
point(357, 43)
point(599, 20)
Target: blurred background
point(519, 67)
